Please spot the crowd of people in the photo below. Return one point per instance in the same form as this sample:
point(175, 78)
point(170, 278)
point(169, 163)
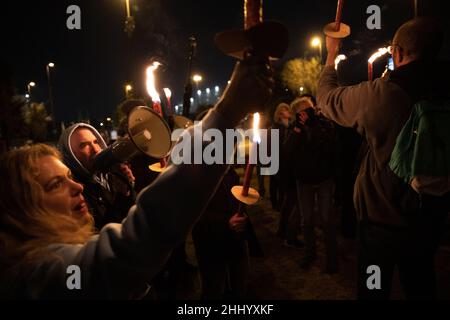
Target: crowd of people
point(125, 234)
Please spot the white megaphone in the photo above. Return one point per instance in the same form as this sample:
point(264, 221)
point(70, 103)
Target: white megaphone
point(177, 122)
point(180, 122)
point(148, 133)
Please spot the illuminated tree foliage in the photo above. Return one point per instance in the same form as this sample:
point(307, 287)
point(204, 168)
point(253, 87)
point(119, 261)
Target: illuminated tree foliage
point(36, 119)
point(304, 73)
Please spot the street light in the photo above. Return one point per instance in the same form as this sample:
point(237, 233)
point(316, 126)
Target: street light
point(197, 78)
point(129, 22)
point(29, 86)
point(317, 42)
point(128, 88)
point(50, 94)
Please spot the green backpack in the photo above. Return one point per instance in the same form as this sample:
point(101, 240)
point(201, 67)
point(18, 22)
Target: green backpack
point(421, 156)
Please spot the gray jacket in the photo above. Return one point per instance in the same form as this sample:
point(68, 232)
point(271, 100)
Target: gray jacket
point(122, 258)
point(378, 110)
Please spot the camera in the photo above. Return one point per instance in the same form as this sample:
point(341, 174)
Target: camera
point(311, 117)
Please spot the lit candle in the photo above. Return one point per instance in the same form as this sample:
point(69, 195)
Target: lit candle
point(249, 166)
point(379, 53)
point(168, 94)
point(156, 101)
point(338, 60)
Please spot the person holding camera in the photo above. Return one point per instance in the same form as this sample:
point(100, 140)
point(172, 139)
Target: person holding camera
point(108, 195)
point(313, 146)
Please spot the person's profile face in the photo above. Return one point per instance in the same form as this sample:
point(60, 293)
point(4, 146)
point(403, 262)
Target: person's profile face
point(285, 117)
point(396, 52)
point(61, 194)
point(85, 146)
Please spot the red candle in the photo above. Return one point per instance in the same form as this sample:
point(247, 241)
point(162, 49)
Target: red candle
point(163, 162)
point(337, 21)
point(247, 178)
point(168, 94)
point(370, 71)
point(157, 108)
point(252, 13)
point(254, 146)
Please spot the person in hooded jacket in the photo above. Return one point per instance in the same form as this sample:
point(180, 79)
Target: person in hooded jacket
point(109, 196)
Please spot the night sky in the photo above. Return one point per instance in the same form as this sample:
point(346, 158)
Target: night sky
point(94, 63)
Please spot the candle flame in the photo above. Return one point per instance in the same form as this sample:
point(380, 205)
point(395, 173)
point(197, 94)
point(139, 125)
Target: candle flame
point(167, 92)
point(338, 59)
point(256, 136)
point(151, 82)
point(377, 54)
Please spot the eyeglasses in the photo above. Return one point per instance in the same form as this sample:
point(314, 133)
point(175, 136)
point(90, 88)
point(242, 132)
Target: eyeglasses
point(391, 48)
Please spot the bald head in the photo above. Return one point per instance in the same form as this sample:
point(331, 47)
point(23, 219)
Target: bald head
point(419, 38)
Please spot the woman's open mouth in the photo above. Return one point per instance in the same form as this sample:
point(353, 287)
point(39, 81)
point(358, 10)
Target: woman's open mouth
point(81, 208)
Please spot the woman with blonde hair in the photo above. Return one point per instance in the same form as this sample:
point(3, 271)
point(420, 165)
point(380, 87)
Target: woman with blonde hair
point(47, 247)
point(282, 114)
point(38, 208)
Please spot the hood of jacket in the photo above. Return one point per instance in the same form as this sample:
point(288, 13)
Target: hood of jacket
point(78, 170)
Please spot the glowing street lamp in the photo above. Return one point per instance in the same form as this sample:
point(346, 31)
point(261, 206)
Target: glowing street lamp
point(50, 94)
point(29, 86)
point(128, 89)
point(197, 78)
point(129, 22)
point(317, 42)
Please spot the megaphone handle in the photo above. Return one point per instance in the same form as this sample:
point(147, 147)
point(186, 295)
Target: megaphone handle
point(115, 171)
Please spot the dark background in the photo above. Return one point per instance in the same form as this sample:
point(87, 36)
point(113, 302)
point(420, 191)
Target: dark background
point(94, 63)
